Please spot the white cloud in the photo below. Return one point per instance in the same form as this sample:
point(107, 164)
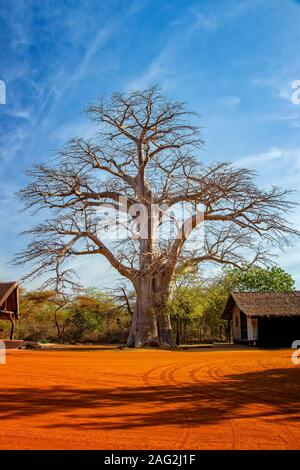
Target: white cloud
point(21, 113)
point(85, 130)
point(231, 101)
point(228, 12)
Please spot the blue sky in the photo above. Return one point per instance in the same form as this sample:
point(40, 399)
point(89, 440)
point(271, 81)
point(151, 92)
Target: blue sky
point(234, 61)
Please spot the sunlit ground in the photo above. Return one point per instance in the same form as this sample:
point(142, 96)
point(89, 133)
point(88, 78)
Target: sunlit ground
point(113, 399)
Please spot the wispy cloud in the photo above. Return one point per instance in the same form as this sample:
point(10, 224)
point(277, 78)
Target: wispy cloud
point(229, 11)
point(161, 69)
point(206, 22)
point(158, 71)
point(231, 101)
point(237, 10)
point(57, 58)
point(71, 77)
point(67, 131)
point(274, 154)
point(280, 86)
point(292, 117)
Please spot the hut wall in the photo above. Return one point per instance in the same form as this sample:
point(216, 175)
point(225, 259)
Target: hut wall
point(252, 326)
point(236, 323)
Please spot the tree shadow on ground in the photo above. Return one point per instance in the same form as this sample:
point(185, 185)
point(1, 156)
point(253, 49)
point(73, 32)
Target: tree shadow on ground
point(270, 394)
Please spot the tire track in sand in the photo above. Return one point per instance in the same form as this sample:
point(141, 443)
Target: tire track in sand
point(211, 374)
point(166, 376)
point(264, 394)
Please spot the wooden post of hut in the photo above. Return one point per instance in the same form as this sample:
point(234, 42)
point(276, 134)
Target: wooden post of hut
point(9, 304)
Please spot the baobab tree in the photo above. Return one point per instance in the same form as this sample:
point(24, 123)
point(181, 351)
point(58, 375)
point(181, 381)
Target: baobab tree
point(143, 165)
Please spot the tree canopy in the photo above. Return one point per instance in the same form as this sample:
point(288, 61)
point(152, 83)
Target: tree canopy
point(259, 279)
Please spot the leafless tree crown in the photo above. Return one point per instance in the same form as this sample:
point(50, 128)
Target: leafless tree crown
point(146, 150)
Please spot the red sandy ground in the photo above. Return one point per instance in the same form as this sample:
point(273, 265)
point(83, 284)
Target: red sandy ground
point(112, 399)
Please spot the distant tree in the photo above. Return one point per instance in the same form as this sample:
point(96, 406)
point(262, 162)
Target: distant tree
point(197, 303)
point(145, 153)
point(259, 280)
point(214, 301)
point(92, 310)
point(186, 301)
point(124, 297)
point(54, 302)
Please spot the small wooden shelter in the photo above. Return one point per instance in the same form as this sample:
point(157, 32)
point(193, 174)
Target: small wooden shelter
point(9, 303)
point(264, 318)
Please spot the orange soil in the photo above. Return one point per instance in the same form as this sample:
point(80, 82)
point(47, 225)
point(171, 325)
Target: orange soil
point(212, 399)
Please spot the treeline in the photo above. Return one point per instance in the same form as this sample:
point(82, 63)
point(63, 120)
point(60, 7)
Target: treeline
point(87, 316)
point(95, 316)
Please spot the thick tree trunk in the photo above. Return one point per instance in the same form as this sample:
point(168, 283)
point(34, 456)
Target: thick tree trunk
point(161, 296)
point(144, 325)
point(165, 330)
point(151, 324)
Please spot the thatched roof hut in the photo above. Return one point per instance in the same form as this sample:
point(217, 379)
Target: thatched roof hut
point(264, 317)
point(262, 304)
